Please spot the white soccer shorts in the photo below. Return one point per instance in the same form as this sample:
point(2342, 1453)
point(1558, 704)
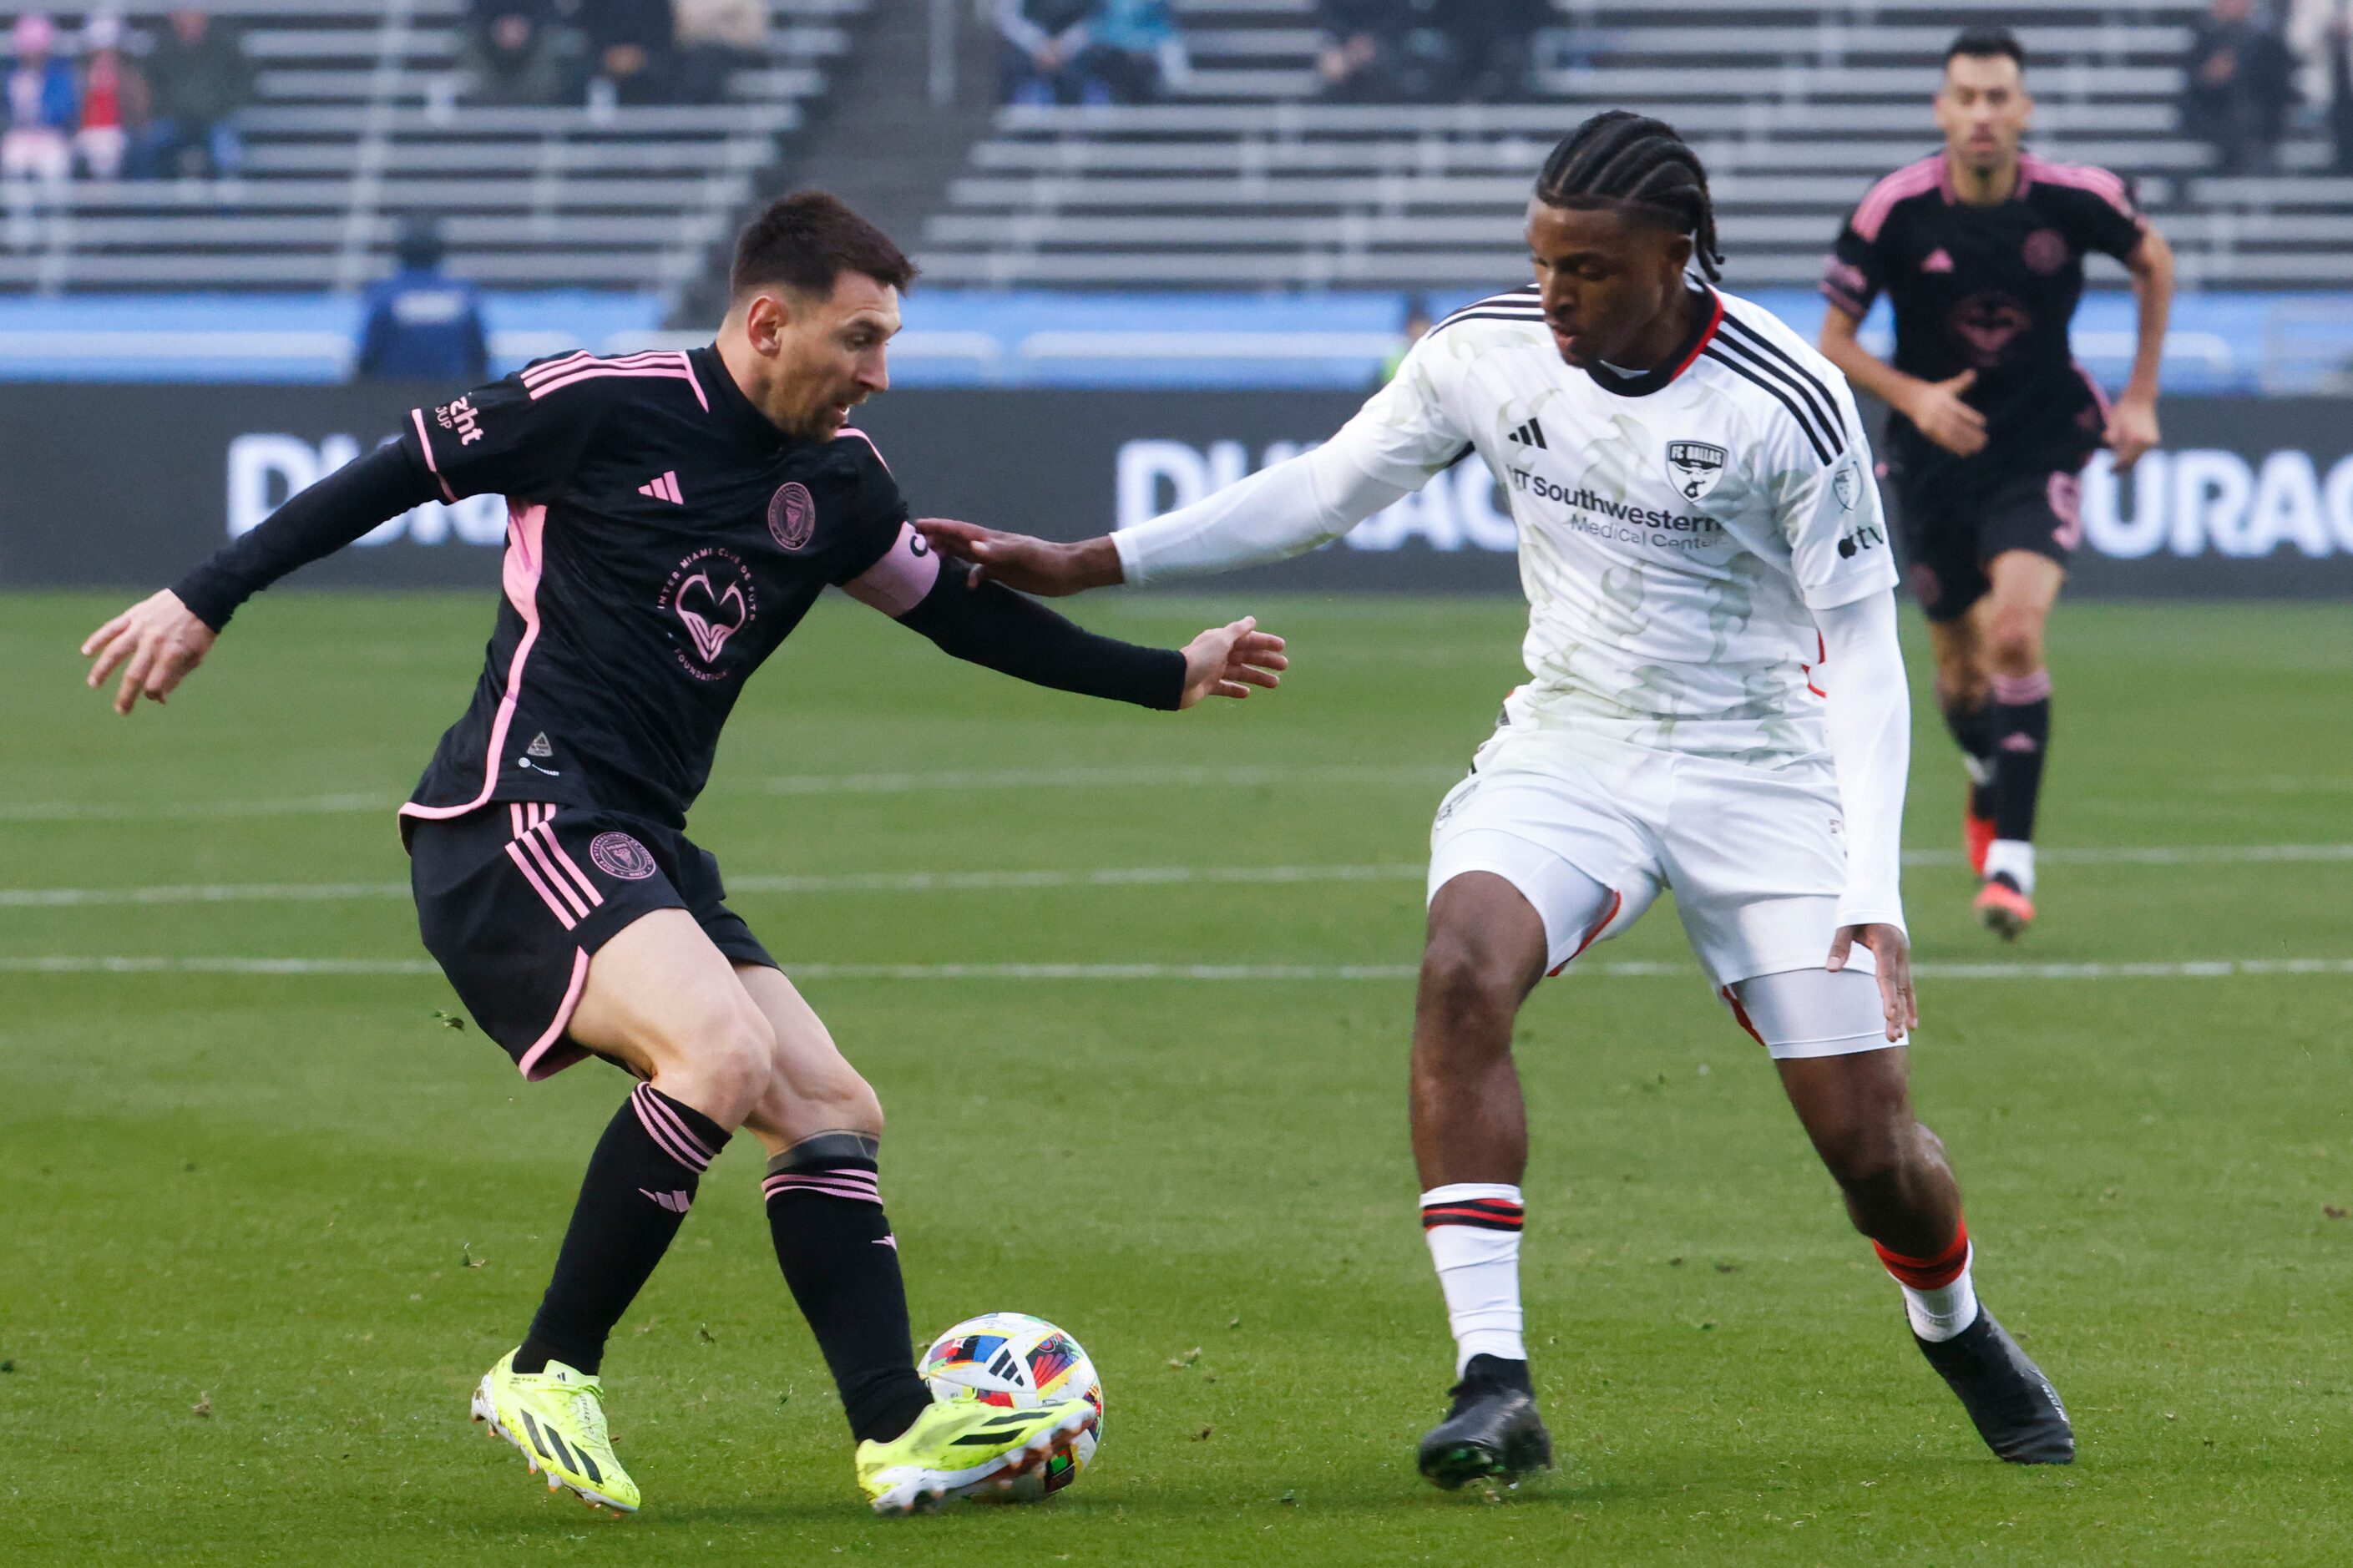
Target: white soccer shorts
point(1754, 857)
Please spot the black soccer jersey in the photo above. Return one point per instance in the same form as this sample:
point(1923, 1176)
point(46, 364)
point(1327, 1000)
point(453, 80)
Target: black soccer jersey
point(664, 538)
point(1989, 289)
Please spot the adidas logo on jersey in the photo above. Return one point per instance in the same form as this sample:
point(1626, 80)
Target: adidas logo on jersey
point(663, 488)
point(1530, 435)
point(1940, 260)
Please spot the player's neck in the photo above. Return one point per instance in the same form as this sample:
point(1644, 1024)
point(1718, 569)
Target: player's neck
point(1667, 336)
point(1982, 187)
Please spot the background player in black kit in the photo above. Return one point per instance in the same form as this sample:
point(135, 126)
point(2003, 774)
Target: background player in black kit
point(1980, 249)
point(671, 517)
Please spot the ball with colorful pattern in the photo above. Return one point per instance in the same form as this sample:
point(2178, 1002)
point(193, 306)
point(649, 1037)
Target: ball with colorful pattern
point(1013, 1360)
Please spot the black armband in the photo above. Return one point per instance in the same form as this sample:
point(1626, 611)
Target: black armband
point(993, 626)
point(315, 522)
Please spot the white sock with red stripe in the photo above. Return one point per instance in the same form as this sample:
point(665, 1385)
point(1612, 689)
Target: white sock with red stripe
point(1939, 1296)
point(1473, 1231)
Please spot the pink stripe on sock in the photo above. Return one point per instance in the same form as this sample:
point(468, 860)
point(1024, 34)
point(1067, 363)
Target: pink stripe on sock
point(668, 1140)
point(514, 853)
point(669, 1129)
point(2020, 690)
point(530, 841)
point(547, 835)
point(866, 1192)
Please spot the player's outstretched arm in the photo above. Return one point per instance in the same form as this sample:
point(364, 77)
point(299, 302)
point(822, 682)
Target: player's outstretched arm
point(1278, 512)
point(2132, 428)
point(993, 626)
point(1869, 716)
point(1934, 407)
point(157, 641)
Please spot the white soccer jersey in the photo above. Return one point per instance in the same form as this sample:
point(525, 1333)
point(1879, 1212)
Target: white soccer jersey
point(1675, 528)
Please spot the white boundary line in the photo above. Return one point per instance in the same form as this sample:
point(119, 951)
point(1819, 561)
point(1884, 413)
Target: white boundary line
point(783, 784)
point(2195, 969)
point(1100, 877)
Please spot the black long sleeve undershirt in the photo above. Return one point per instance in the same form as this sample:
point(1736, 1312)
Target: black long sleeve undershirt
point(998, 629)
point(314, 523)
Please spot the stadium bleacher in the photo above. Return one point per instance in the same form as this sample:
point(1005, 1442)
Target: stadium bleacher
point(1240, 180)
point(359, 122)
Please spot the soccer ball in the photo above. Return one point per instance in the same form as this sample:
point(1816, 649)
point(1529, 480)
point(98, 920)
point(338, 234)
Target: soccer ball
point(1017, 1360)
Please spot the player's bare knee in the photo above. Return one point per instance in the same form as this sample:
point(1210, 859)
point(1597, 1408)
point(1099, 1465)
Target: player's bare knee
point(2014, 640)
point(721, 1058)
point(1469, 993)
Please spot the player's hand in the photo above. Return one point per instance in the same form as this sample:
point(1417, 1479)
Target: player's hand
point(2132, 430)
point(1936, 407)
point(1028, 565)
point(1893, 948)
point(158, 639)
point(1226, 661)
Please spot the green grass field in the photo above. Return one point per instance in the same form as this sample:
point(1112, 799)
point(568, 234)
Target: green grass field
point(264, 1230)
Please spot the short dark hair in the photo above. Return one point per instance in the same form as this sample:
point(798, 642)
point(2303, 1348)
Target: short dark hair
point(1984, 42)
point(808, 239)
point(1620, 158)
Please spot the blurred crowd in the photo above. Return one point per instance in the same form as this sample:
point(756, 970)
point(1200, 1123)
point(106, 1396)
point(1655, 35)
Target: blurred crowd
point(2252, 67)
point(107, 102)
point(604, 52)
point(1089, 51)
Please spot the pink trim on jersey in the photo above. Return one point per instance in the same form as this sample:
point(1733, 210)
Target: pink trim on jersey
point(425, 441)
point(2110, 188)
point(519, 576)
point(658, 363)
point(1912, 180)
point(537, 1062)
point(852, 430)
point(897, 583)
point(581, 359)
point(514, 853)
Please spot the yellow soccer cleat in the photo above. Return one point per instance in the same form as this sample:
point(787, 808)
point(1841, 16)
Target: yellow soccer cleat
point(964, 1448)
point(557, 1418)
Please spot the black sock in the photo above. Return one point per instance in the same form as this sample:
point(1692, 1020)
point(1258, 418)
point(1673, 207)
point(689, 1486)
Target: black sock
point(1972, 729)
point(640, 1182)
point(824, 1211)
point(2020, 718)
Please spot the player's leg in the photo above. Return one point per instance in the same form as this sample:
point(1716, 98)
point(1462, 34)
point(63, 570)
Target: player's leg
point(1941, 543)
point(1485, 949)
point(2010, 619)
point(657, 998)
point(1851, 1091)
point(822, 1126)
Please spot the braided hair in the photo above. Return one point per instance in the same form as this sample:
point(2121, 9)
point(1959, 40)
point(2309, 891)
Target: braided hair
point(1623, 159)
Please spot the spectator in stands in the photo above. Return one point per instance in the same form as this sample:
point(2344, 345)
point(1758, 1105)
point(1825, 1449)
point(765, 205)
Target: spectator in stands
point(631, 49)
point(113, 99)
point(715, 39)
point(1428, 51)
point(2241, 85)
point(518, 52)
point(38, 144)
point(1134, 49)
point(1043, 41)
point(422, 324)
point(199, 77)
point(2321, 34)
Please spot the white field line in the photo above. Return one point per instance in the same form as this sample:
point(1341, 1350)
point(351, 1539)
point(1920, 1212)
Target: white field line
point(953, 780)
point(1099, 877)
point(2198, 969)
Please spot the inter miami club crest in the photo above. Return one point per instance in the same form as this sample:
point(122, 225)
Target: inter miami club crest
point(1695, 466)
point(618, 855)
point(792, 516)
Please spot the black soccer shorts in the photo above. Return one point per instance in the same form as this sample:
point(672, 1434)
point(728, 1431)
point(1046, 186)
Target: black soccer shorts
point(514, 898)
point(1951, 533)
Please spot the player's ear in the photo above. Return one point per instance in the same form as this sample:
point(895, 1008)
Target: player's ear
point(1677, 256)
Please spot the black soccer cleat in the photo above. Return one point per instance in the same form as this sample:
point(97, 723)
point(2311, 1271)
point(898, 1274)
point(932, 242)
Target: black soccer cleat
point(1493, 1429)
point(2016, 1410)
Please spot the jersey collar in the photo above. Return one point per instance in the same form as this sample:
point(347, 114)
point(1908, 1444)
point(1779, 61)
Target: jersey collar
point(1649, 382)
point(728, 403)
